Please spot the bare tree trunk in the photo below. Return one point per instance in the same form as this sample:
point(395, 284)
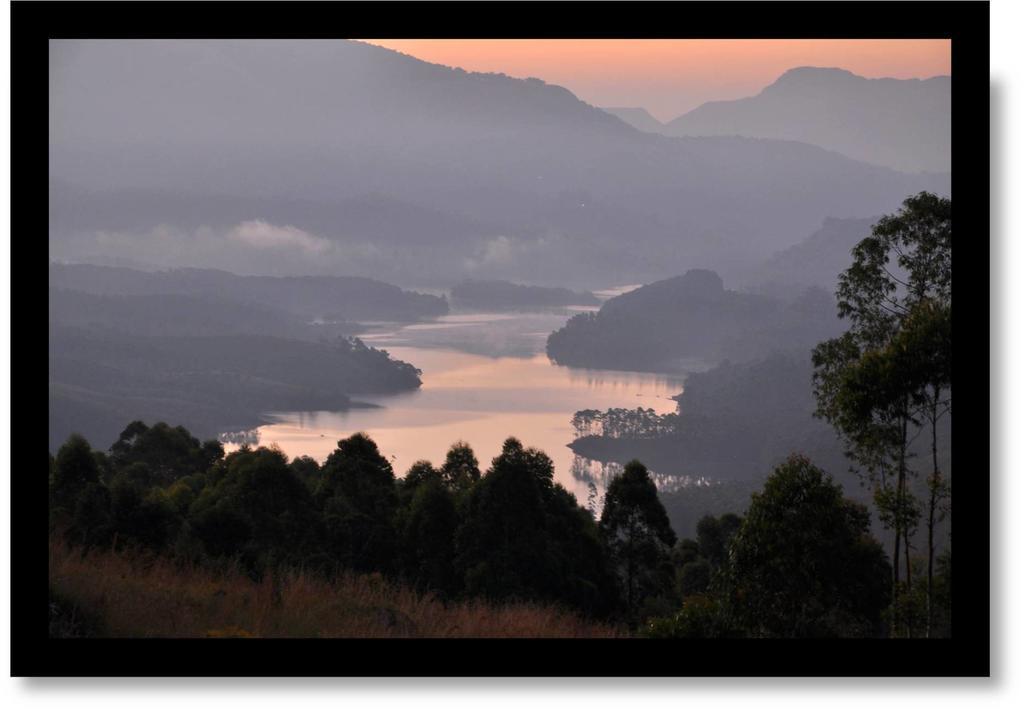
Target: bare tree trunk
point(906, 561)
point(901, 504)
point(933, 487)
point(895, 577)
point(931, 559)
point(630, 570)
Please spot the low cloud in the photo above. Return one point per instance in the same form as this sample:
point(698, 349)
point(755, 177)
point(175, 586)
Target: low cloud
point(252, 246)
point(264, 235)
point(494, 252)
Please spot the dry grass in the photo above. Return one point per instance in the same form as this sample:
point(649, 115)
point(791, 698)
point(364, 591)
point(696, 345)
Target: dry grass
point(134, 595)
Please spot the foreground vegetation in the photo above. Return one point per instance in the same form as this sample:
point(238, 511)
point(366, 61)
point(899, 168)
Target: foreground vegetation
point(137, 594)
point(164, 535)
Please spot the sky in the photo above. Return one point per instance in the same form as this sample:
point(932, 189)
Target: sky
point(670, 77)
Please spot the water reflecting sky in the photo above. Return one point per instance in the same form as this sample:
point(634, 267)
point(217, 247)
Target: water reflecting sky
point(485, 378)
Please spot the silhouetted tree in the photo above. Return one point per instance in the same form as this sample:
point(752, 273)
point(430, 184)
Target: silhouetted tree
point(428, 538)
point(685, 551)
point(139, 518)
point(91, 523)
point(923, 348)
point(714, 536)
point(419, 473)
point(873, 382)
point(578, 567)
point(307, 470)
point(802, 563)
point(358, 499)
point(461, 469)
point(524, 537)
point(259, 508)
point(501, 542)
point(74, 468)
point(161, 453)
point(637, 533)
point(694, 577)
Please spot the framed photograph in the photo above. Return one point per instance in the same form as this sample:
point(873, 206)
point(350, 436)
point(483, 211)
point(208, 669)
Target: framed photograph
point(607, 339)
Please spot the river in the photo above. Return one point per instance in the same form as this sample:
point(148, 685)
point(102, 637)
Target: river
point(485, 378)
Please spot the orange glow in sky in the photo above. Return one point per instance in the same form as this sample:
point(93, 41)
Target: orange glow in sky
point(670, 77)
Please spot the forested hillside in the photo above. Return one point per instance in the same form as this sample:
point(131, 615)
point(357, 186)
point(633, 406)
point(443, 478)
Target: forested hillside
point(666, 325)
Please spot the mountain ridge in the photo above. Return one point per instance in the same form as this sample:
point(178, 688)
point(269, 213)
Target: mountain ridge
point(539, 181)
point(899, 123)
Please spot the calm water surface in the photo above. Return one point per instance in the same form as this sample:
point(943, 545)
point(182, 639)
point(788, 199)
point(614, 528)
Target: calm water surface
point(485, 378)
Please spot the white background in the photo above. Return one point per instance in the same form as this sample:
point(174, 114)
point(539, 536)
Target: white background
point(1005, 690)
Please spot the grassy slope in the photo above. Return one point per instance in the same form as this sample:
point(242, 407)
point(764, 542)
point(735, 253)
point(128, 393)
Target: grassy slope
point(127, 595)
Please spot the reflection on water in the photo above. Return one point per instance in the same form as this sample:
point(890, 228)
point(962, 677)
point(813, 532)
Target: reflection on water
point(514, 335)
point(485, 378)
point(237, 439)
point(596, 476)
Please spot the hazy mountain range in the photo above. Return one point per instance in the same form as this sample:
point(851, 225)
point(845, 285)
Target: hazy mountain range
point(899, 123)
point(337, 157)
point(815, 261)
point(637, 117)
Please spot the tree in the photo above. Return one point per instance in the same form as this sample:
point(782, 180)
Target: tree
point(259, 508)
point(698, 561)
point(924, 345)
point(307, 470)
point(91, 522)
point(162, 454)
point(502, 540)
point(428, 538)
point(714, 536)
point(524, 537)
point(461, 469)
point(358, 499)
point(73, 470)
point(686, 550)
point(419, 473)
point(578, 567)
point(802, 563)
point(694, 577)
point(637, 533)
point(891, 368)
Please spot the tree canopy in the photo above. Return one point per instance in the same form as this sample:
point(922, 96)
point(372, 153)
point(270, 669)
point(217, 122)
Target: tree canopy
point(636, 530)
point(890, 372)
point(802, 564)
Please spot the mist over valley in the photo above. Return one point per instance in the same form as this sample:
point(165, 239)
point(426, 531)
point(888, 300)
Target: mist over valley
point(320, 305)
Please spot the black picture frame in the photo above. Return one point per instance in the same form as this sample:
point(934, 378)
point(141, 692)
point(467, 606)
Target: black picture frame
point(966, 24)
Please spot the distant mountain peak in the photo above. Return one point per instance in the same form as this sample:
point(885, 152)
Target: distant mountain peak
point(819, 77)
point(813, 77)
point(811, 71)
point(898, 123)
